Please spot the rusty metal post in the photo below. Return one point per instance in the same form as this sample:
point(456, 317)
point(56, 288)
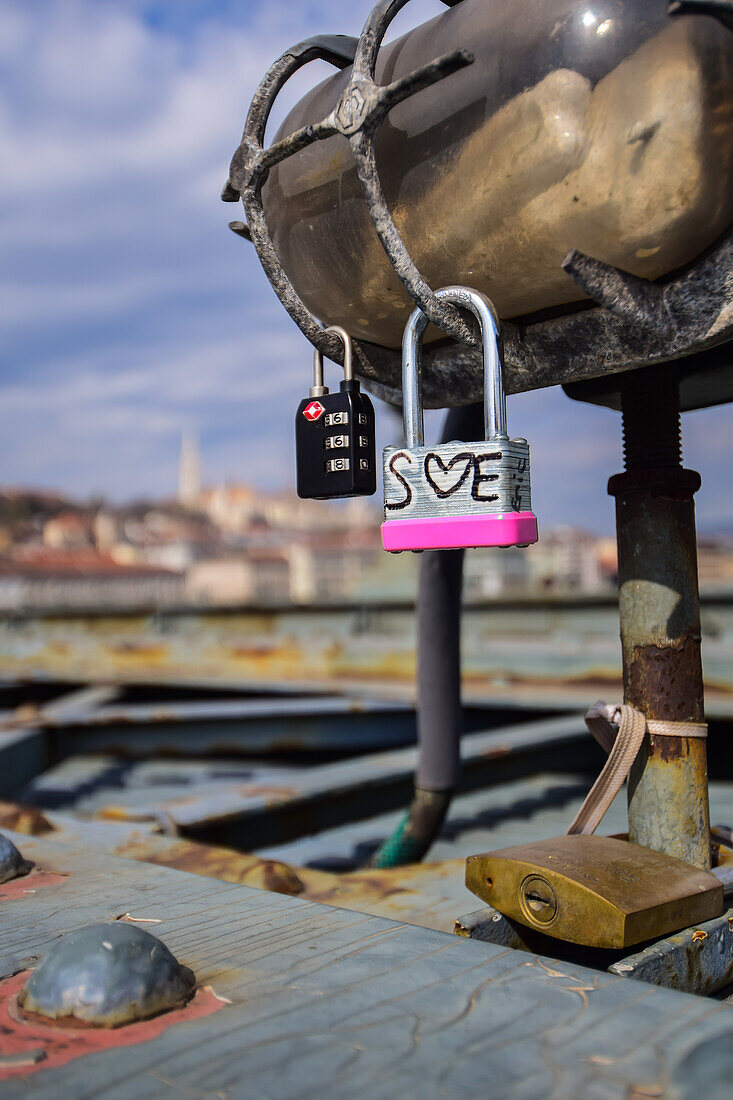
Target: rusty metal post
point(659, 606)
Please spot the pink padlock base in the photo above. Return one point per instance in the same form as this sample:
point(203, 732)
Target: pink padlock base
point(459, 532)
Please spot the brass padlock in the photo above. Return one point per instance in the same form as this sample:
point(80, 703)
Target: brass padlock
point(598, 891)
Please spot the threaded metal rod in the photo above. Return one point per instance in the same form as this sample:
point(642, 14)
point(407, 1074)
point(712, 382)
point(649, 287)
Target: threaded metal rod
point(651, 419)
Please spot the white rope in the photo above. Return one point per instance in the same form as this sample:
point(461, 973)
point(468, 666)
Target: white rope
point(676, 729)
point(620, 731)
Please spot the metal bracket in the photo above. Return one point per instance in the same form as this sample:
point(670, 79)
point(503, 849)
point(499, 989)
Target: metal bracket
point(252, 162)
point(362, 137)
point(361, 109)
point(640, 322)
point(686, 318)
point(241, 229)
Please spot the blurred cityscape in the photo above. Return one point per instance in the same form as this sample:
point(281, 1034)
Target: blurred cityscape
point(231, 544)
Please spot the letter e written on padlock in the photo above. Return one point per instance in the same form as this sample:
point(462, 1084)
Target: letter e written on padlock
point(457, 494)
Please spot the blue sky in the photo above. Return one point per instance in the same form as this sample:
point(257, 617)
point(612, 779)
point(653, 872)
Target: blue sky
point(128, 311)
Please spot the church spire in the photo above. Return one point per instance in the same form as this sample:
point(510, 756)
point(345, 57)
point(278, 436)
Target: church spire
point(189, 471)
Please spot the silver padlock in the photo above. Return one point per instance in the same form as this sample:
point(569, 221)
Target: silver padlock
point(457, 495)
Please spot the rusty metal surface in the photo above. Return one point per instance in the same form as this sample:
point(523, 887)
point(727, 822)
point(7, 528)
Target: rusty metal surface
point(24, 819)
point(319, 867)
point(32, 1045)
point(430, 894)
point(233, 805)
point(427, 895)
point(314, 996)
point(697, 960)
point(227, 727)
point(537, 652)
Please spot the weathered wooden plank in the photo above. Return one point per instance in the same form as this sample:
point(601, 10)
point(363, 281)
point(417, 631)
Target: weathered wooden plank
point(330, 1003)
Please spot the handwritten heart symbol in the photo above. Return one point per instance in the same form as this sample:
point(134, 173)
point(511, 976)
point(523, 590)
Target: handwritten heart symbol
point(445, 468)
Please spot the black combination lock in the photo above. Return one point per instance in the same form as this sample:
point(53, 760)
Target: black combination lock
point(334, 435)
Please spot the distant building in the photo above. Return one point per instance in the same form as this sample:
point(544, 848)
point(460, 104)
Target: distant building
point(329, 567)
point(288, 512)
point(106, 531)
point(715, 562)
point(236, 508)
point(169, 538)
point(231, 508)
point(565, 559)
point(313, 568)
point(262, 577)
point(607, 558)
point(17, 503)
point(494, 572)
point(69, 530)
point(83, 579)
point(189, 473)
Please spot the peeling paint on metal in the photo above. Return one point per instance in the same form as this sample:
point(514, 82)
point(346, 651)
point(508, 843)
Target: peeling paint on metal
point(33, 1045)
point(21, 888)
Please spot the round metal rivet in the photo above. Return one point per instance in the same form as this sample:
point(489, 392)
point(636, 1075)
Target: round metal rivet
point(107, 975)
point(12, 864)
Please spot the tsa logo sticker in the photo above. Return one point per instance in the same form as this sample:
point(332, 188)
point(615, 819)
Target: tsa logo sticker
point(314, 410)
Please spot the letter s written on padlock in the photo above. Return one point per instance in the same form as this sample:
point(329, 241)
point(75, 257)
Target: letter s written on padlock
point(457, 494)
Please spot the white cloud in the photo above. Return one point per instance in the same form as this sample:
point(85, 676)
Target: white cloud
point(128, 312)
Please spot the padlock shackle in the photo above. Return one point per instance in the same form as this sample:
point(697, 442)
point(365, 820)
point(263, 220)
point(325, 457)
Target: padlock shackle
point(494, 398)
point(318, 388)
